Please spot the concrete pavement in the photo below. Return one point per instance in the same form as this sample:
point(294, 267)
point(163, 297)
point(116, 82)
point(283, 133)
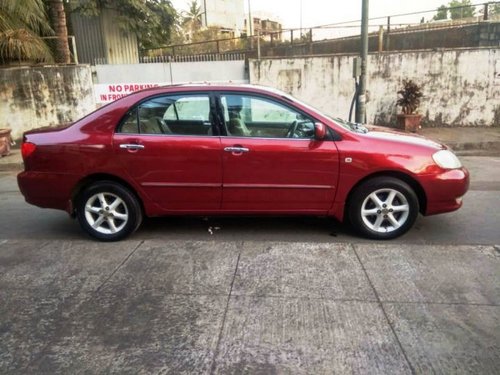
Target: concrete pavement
point(264, 307)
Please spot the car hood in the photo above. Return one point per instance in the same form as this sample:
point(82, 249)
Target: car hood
point(377, 132)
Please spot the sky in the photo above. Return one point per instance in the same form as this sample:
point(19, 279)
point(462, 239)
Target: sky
point(321, 12)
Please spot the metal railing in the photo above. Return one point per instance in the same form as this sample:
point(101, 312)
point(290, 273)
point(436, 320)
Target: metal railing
point(212, 50)
point(230, 56)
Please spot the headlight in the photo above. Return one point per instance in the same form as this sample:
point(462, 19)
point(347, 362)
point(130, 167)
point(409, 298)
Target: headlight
point(446, 159)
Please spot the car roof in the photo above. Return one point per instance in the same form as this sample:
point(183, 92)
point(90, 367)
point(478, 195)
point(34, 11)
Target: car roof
point(208, 86)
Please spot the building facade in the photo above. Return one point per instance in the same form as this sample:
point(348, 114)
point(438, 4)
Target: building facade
point(227, 15)
point(99, 40)
point(265, 26)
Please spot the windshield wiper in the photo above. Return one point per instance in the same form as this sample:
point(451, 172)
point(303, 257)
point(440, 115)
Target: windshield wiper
point(354, 126)
point(357, 127)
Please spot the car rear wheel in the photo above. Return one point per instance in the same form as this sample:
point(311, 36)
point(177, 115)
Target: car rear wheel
point(108, 211)
point(383, 208)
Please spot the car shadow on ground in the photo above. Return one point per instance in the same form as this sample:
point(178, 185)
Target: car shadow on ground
point(289, 228)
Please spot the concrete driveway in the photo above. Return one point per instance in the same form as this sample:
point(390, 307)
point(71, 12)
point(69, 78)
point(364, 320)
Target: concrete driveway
point(248, 307)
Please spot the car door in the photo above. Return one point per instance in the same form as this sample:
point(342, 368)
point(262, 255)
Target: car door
point(167, 145)
point(271, 159)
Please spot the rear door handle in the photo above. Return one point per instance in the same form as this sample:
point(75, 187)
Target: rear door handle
point(236, 149)
point(132, 146)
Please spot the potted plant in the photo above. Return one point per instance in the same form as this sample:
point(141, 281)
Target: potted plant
point(5, 142)
point(409, 101)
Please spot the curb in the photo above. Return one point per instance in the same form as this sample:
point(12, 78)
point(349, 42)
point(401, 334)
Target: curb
point(12, 162)
point(11, 167)
point(493, 146)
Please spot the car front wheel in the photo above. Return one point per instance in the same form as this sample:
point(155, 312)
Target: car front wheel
point(383, 208)
point(108, 211)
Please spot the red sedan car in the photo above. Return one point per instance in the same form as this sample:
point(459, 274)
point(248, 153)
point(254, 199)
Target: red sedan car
point(231, 150)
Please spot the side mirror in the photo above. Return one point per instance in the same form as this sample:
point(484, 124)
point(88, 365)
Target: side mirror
point(320, 130)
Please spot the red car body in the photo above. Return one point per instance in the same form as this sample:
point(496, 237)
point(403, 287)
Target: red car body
point(196, 175)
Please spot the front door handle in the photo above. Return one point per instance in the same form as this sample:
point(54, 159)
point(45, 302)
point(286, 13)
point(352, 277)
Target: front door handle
point(132, 146)
point(236, 149)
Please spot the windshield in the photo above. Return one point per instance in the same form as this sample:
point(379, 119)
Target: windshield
point(352, 126)
point(293, 99)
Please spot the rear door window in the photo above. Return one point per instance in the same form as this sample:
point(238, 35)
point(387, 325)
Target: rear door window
point(170, 115)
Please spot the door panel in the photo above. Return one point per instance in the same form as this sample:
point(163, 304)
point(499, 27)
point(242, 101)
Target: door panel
point(275, 164)
point(279, 175)
point(178, 173)
point(164, 145)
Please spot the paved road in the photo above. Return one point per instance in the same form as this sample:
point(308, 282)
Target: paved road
point(477, 222)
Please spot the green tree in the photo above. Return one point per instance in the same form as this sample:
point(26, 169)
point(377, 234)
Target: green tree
point(461, 9)
point(21, 25)
point(191, 21)
point(194, 13)
point(151, 20)
point(494, 9)
point(442, 13)
point(161, 30)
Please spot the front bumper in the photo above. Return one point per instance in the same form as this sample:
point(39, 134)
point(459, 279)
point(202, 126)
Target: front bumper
point(444, 191)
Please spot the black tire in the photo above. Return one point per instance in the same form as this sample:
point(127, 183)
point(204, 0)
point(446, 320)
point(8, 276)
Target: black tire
point(126, 217)
point(402, 210)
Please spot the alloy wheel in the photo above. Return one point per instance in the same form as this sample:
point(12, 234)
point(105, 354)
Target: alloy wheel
point(385, 210)
point(106, 213)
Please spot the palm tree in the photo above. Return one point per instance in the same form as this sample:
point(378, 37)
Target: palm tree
point(58, 21)
point(21, 24)
point(193, 16)
point(191, 20)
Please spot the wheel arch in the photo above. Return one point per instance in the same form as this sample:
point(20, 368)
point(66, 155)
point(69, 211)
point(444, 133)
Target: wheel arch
point(90, 179)
point(412, 182)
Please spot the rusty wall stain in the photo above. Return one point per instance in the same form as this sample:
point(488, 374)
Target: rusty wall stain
point(290, 80)
point(461, 87)
point(43, 96)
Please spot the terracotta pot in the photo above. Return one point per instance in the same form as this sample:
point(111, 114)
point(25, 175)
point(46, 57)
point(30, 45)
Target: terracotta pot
point(409, 123)
point(5, 141)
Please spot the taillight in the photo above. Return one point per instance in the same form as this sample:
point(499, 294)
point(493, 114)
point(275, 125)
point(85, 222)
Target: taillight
point(27, 148)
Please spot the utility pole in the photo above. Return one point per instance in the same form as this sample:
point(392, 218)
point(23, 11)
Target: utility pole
point(205, 9)
point(300, 18)
point(361, 100)
point(250, 20)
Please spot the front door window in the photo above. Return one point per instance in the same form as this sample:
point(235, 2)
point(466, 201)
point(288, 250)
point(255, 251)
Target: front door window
point(251, 116)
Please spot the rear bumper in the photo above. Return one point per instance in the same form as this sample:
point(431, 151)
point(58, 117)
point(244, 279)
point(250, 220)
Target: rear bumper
point(445, 190)
point(47, 190)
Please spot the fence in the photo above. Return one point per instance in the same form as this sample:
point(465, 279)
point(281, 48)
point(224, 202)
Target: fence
point(302, 41)
point(193, 58)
